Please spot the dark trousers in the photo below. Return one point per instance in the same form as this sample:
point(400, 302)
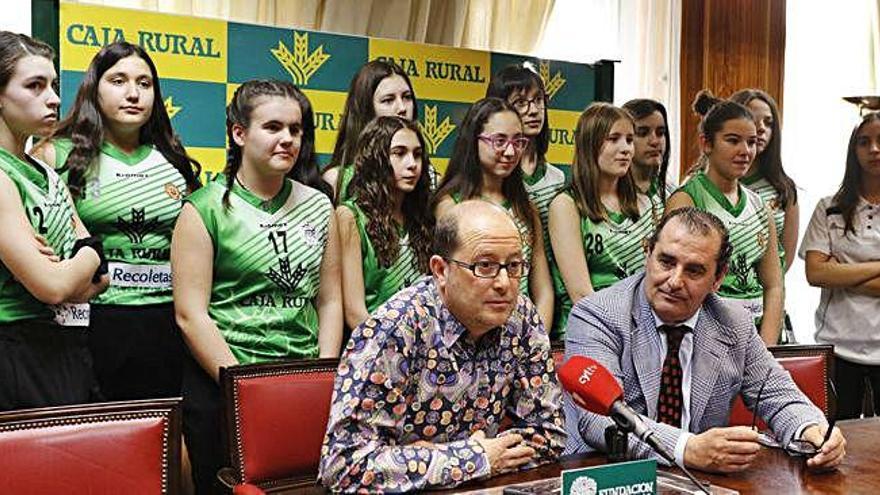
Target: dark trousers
point(43, 364)
point(850, 381)
point(202, 423)
point(137, 351)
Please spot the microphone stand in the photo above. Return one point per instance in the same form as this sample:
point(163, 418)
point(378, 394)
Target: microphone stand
point(647, 436)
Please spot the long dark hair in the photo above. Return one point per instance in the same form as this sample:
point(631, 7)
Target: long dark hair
point(16, 46)
point(372, 187)
point(239, 110)
point(770, 160)
point(593, 127)
point(641, 108)
point(715, 112)
point(84, 124)
point(359, 109)
point(516, 78)
point(847, 197)
point(464, 174)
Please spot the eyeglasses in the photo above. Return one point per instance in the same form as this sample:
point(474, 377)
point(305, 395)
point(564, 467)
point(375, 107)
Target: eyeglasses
point(522, 104)
point(491, 269)
point(500, 141)
point(798, 448)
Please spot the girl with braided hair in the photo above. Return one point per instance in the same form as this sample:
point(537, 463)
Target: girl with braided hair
point(255, 260)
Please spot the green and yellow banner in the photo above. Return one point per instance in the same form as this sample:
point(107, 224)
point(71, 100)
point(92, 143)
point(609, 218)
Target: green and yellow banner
point(202, 61)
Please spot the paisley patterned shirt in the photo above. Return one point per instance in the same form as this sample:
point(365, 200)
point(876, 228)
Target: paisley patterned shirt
point(411, 389)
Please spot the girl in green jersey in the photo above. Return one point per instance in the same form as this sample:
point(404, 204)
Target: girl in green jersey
point(766, 175)
point(386, 226)
point(128, 174)
point(651, 149)
point(45, 272)
point(599, 225)
point(255, 260)
point(728, 138)
point(767, 178)
point(485, 165)
point(380, 88)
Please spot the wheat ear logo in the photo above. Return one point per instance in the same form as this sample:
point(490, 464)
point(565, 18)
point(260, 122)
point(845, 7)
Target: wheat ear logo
point(551, 84)
point(284, 278)
point(435, 133)
point(301, 65)
point(138, 227)
point(170, 108)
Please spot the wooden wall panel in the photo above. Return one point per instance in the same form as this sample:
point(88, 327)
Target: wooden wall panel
point(727, 45)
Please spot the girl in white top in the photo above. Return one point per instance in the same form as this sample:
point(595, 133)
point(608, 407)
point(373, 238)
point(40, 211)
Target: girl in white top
point(841, 248)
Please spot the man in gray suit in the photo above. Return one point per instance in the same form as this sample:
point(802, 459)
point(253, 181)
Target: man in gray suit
point(629, 328)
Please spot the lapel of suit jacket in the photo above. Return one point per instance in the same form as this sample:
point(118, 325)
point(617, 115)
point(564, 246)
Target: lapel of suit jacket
point(646, 350)
point(711, 344)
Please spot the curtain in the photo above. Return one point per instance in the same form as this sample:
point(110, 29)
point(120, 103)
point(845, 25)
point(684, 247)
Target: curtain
point(499, 25)
point(651, 61)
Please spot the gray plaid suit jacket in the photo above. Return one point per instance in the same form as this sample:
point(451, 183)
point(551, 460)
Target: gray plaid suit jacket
point(616, 328)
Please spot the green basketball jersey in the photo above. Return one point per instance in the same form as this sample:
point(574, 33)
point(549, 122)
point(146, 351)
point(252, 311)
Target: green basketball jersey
point(747, 223)
point(132, 202)
point(346, 173)
point(523, 233)
point(267, 261)
point(380, 283)
point(49, 210)
point(770, 197)
point(543, 186)
point(614, 249)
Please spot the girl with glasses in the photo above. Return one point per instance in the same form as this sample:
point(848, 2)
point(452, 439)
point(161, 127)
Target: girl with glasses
point(255, 260)
point(380, 88)
point(386, 226)
point(485, 164)
point(128, 174)
point(840, 248)
point(728, 138)
point(599, 224)
point(49, 265)
point(523, 88)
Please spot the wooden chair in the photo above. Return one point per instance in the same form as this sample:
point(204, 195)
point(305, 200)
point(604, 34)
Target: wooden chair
point(276, 417)
point(810, 366)
point(130, 447)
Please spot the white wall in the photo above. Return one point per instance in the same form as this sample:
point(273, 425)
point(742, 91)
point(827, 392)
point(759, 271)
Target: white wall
point(827, 57)
point(16, 16)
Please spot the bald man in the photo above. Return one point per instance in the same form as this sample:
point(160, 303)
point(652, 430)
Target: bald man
point(424, 383)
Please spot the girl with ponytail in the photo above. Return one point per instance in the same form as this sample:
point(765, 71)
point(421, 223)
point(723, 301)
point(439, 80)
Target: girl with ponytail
point(728, 139)
point(49, 265)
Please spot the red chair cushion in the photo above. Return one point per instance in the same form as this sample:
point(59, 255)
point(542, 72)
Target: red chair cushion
point(808, 372)
point(282, 421)
point(101, 457)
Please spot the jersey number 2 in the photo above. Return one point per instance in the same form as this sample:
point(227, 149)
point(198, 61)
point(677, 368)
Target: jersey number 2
point(41, 220)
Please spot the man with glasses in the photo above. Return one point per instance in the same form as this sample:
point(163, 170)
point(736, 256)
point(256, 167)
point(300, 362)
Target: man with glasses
point(683, 355)
point(425, 382)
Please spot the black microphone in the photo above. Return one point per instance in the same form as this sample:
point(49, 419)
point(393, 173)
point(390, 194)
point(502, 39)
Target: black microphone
point(595, 389)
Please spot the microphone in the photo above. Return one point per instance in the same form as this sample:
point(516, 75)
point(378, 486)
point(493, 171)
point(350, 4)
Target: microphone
point(600, 393)
point(595, 389)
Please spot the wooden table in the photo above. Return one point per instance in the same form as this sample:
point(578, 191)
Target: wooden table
point(773, 473)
